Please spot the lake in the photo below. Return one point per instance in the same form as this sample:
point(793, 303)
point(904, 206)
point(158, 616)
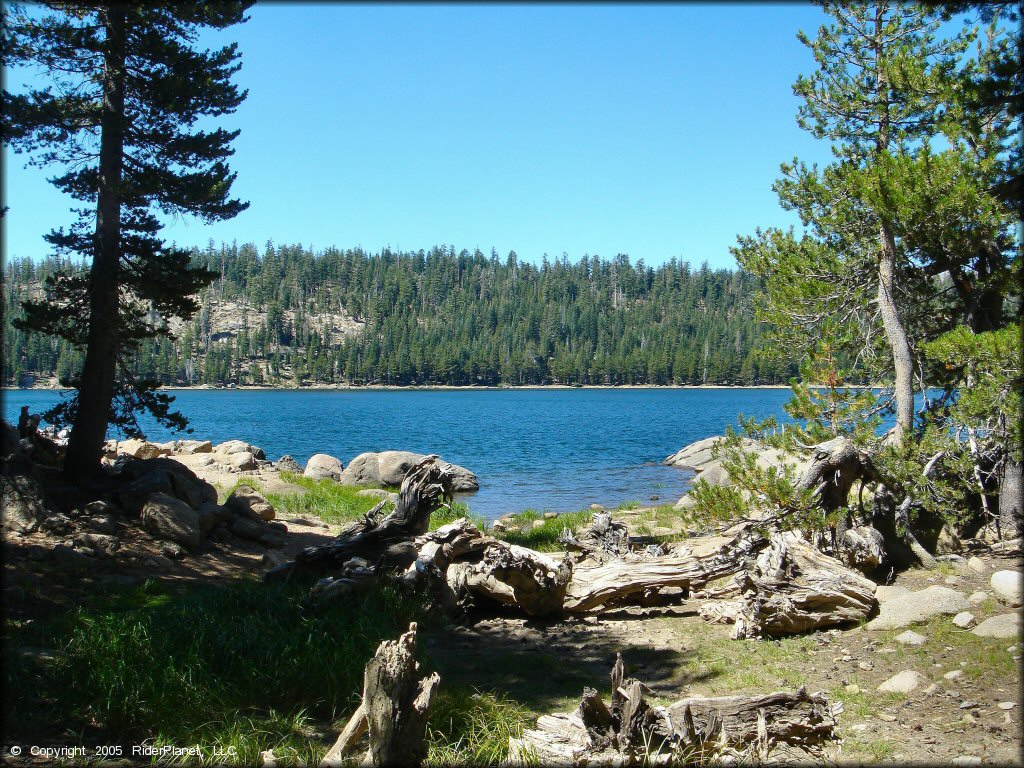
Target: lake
point(546, 449)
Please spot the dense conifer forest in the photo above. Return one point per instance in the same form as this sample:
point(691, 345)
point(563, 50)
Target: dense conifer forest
point(289, 316)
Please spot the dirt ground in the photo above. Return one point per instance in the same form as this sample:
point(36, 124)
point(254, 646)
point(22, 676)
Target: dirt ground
point(545, 665)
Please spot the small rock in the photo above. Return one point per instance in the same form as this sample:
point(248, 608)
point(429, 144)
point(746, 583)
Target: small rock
point(288, 464)
point(903, 682)
point(954, 674)
point(966, 760)
point(977, 598)
point(889, 718)
point(867, 666)
point(597, 507)
point(1008, 586)
point(550, 515)
point(853, 688)
point(66, 557)
point(538, 523)
point(968, 705)
point(918, 606)
point(168, 518)
point(964, 620)
point(976, 564)
point(930, 689)
point(1005, 625)
point(172, 550)
point(911, 638)
point(859, 727)
point(247, 502)
point(953, 581)
point(1006, 704)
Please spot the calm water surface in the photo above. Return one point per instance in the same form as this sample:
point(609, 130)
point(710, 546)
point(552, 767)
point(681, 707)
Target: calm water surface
point(558, 449)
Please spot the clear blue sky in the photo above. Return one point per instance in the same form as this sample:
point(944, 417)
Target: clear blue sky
point(651, 130)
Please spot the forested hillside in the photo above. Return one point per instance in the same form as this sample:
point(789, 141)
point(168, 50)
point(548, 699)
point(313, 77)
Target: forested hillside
point(288, 316)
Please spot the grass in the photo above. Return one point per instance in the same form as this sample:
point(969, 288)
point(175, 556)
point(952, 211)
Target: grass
point(239, 668)
point(324, 499)
point(543, 538)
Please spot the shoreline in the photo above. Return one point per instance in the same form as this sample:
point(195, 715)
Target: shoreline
point(426, 387)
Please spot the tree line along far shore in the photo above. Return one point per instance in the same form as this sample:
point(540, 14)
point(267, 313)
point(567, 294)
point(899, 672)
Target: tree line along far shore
point(291, 317)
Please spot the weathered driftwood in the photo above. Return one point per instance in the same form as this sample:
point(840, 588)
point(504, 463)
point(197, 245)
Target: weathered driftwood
point(631, 730)
point(394, 709)
point(793, 588)
point(378, 540)
point(603, 539)
point(631, 579)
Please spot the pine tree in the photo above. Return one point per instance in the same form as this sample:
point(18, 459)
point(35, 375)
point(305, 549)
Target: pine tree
point(119, 119)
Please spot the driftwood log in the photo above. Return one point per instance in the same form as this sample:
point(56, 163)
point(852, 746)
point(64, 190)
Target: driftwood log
point(792, 588)
point(394, 709)
point(631, 730)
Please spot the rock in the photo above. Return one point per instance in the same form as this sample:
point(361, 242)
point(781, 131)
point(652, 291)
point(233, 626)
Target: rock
point(323, 467)
point(10, 441)
point(964, 620)
point(98, 542)
point(884, 594)
point(169, 518)
point(172, 550)
point(241, 460)
point(211, 515)
point(140, 449)
point(1005, 625)
point(977, 598)
point(948, 542)
point(966, 760)
point(917, 606)
point(65, 557)
point(694, 454)
point(954, 674)
point(911, 638)
point(191, 447)
point(499, 525)
point(597, 507)
point(165, 476)
point(976, 564)
point(245, 501)
point(134, 495)
point(390, 467)
point(56, 523)
point(1007, 705)
point(272, 559)
point(953, 581)
point(378, 493)
point(715, 474)
point(247, 528)
point(550, 515)
point(23, 507)
point(903, 682)
point(229, 447)
point(1008, 586)
point(538, 524)
point(685, 502)
point(288, 464)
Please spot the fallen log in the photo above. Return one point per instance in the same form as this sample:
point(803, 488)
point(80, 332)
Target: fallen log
point(792, 588)
point(381, 541)
point(630, 730)
point(394, 709)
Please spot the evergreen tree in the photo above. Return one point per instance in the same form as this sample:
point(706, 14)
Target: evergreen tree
point(119, 118)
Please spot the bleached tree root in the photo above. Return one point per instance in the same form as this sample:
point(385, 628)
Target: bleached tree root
point(792, 588)
point(631, 731)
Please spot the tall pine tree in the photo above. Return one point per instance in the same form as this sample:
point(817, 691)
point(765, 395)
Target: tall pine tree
point(119, 118)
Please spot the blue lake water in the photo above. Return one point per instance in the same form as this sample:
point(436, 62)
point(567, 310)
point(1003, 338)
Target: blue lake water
point(544, 449)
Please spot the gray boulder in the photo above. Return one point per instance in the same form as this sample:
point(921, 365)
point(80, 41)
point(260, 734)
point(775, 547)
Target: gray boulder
point(247, 502)
point(1008, 586)
point(21, 503)
point(1005, 625)
point(162, 475)
point(238, 446)
point(169, 518)
point(288, 464)
point(903, 682)
point(190, 447)
point(212, 514)
point(390, 467)
point(240, 460)
point(918, 606)
point(247, 528)
point(321, 466)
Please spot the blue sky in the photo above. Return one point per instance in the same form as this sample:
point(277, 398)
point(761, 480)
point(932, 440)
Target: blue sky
point(651, 130)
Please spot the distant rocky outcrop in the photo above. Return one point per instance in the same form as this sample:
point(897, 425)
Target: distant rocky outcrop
point(390, 467)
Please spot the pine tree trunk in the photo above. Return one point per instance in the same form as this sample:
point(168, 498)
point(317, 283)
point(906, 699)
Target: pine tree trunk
point(99, 370)
point(902, 359)
point(1011, 500)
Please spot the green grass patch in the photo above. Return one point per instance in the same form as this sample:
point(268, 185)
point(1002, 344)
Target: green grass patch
point(469, 727)
point(325, 499)
point(543, 537)
point(241, 668)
